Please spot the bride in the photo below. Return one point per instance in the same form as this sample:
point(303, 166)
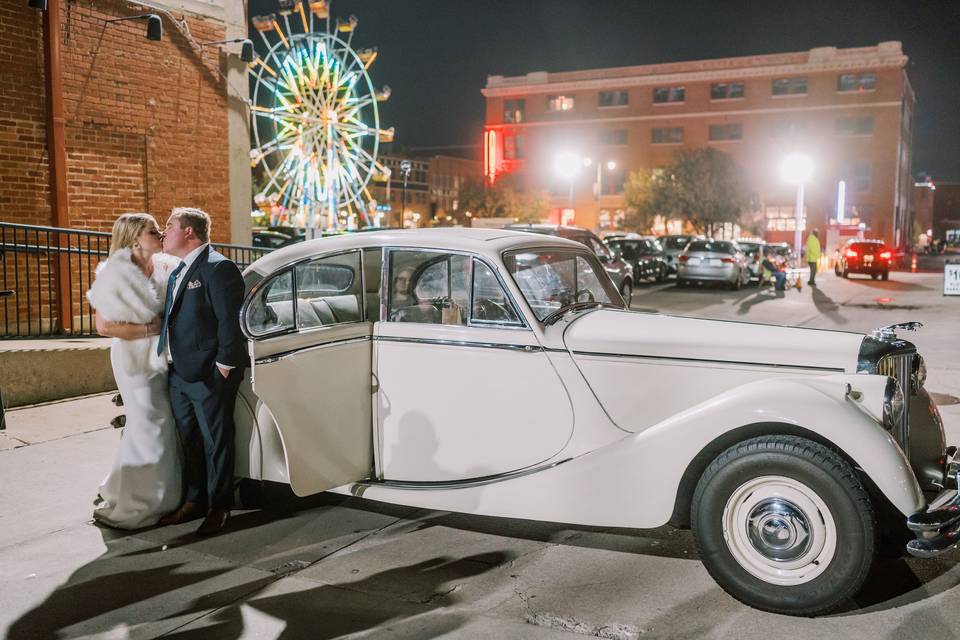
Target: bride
point(128, 295)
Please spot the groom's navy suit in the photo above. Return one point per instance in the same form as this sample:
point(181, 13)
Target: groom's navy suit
point(202, 327)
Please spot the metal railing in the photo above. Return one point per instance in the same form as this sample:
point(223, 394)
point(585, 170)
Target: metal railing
point(45, 273)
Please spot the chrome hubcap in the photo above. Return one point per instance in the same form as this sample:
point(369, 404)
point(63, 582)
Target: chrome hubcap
point(779, 530)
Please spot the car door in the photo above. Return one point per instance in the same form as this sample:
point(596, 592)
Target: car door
point(465, 387)
point(310, 343)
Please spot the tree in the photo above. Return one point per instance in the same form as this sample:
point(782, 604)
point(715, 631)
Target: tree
point(503, 200)
point(704, 186)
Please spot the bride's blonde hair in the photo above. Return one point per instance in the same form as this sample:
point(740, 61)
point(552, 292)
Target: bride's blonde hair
point(127, 229)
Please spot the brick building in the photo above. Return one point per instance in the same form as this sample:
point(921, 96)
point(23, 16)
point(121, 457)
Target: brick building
point(851, 110)
point(146, 125)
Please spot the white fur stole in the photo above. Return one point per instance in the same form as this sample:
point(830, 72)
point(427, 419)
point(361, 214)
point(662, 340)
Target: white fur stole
point(121, 292)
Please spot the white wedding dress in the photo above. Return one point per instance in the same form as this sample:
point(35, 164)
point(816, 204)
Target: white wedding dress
point(145, 481)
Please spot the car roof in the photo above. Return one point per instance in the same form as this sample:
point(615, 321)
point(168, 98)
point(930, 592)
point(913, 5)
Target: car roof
point(486, 242)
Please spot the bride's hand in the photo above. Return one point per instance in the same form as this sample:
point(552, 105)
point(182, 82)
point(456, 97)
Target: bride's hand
point(154, 327)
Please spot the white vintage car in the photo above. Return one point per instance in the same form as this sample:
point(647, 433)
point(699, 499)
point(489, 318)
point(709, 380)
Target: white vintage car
point(498, 373)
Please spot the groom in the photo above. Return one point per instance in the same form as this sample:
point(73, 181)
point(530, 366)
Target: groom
point(206, 351)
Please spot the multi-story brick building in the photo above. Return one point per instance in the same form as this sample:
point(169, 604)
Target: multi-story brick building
point(850, 110)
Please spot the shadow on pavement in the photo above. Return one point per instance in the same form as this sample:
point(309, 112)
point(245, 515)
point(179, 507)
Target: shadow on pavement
point(887, 285)
point(761, 296)
point(827, 306)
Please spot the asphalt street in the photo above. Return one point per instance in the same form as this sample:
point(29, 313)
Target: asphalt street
point(333, 566)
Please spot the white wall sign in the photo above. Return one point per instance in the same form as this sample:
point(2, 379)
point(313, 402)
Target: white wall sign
point(951, 279)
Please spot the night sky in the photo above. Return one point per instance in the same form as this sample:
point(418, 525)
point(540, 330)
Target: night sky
point(436, 54)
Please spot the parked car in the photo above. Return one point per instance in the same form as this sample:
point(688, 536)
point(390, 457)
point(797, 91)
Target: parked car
point(712, 261)
point(673, 245)
point(864, 256)
point(753, 249)
point(782, 251)
point(645, 255)
point(271, 239)
point(793, 453)
point(619, 271)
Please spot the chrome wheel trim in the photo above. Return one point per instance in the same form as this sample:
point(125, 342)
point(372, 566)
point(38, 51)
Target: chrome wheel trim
point(779, 530)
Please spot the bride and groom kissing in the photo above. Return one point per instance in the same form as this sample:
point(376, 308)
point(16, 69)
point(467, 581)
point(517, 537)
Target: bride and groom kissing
point(171, 303)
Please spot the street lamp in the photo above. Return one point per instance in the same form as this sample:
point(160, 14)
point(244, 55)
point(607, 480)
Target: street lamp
point(405, 167)
point(797, 169)
point(567, 165)
point(598, 185)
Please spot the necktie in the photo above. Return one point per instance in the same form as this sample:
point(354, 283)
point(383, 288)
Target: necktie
point(167, 303)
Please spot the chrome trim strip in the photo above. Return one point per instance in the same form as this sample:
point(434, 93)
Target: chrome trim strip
point(526, 348)
point(333, 343)
point(462, 484)
point(708, 361)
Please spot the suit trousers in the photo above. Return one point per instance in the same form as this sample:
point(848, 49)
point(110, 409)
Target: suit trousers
point(813, 273)
point(204, 415)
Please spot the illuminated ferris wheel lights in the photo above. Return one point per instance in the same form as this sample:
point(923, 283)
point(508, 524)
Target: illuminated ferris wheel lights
point(320, 8)
point(367, 56)
point(264, 23)
point(348, 26)
point(382, 95)
point(386, 135)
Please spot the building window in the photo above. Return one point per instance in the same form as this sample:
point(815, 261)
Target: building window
point(559, 103)
point(782, 218)
point(613, 137)
point(726, 90)
point(513, 147)
point(721, 132)
point(862, 126)
point(664, 95)
point(788, 128)
point(860, 175)
point(790, 86)
point(513, 110)
point(856, 82)
point(666, 135)
point(612, 182)
point(614, 99)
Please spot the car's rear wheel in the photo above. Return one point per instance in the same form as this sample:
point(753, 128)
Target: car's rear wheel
point(661, 272)
point(736, 284)
point(626, 291)
point(784, 524)
point(874, 276)
point(846, 273)
point(885, 275)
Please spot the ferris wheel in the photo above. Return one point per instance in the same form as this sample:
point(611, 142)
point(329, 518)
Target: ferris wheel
point(314, 117)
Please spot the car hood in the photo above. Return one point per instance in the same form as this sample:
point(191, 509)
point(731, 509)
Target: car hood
point(629, 333)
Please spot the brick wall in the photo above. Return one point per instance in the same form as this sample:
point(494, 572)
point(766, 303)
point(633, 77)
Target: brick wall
point(146, 121)
point(146, 130)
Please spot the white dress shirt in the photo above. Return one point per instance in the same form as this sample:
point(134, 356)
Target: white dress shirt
point(188, 260)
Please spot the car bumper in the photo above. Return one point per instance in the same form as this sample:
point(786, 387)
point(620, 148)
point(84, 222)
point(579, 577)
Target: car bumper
point(724, 273)
point(937, 529)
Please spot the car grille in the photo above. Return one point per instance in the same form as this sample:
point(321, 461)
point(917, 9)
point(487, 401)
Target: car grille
point(900, 368)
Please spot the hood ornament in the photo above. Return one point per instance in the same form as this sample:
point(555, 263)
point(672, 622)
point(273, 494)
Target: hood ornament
point(890, 331)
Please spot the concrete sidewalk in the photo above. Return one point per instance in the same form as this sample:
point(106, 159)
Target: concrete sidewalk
point(55, 420)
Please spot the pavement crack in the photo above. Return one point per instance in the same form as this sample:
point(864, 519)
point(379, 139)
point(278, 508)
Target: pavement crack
point(440, 595)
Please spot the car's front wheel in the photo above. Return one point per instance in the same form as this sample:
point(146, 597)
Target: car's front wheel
point(784, 524)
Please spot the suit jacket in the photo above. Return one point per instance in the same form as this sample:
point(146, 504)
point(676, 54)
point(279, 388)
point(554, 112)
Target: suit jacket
point(204, 324)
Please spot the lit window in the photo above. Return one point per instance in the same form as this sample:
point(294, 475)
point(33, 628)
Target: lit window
point(857, 82)
point(721, 132)
point(612, 183)
point(513, 110)
point(613, 137)
point(666, 135)
point(512, 147)
point(614, 99)
point(855, 126)
point(726, 90)
point(790, 86)
point(663, 95)
point(560, 103)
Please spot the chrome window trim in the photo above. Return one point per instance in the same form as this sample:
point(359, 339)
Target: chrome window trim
point(291, 266)
point(422, 485)
point(384, 284)
point(771, 365)
point(491, 324)
point(314, 347)
point(525, 348)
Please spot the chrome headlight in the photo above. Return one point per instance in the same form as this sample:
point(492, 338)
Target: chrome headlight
point(892, 404)
point(919, 376)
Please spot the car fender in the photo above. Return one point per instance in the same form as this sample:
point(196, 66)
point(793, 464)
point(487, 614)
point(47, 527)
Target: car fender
point(634, 481)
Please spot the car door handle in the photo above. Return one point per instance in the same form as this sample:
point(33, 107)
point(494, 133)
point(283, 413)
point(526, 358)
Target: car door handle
point(374, 383)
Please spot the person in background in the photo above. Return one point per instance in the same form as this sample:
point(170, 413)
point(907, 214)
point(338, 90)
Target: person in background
point(779, 276)
point(813, 256)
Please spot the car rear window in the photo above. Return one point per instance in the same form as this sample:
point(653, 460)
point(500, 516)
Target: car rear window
point(678, 242)
point(710, 245)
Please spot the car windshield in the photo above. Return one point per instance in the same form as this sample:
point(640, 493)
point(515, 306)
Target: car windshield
point(553, 279)
point(630, 249)
point(675, 242)
point(711, 246)
point(749, 248)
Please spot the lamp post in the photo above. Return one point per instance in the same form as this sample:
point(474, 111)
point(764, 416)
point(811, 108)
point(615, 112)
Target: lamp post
point(797, 169)
point(598, 185)
point(405, 167)
point(567, 165)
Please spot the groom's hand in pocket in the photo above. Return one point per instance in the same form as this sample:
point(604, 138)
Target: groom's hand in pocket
point(224, 371)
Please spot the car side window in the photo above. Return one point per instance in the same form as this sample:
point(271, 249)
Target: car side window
point(429, 287)
point(329, 291)
point(598, 247)
point(271, 310)
point(491, 305)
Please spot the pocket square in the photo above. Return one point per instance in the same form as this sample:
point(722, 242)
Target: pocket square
point(194, 285)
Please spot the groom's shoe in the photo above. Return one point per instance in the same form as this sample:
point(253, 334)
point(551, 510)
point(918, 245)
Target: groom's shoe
point(214, 522)
point(187, 511)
